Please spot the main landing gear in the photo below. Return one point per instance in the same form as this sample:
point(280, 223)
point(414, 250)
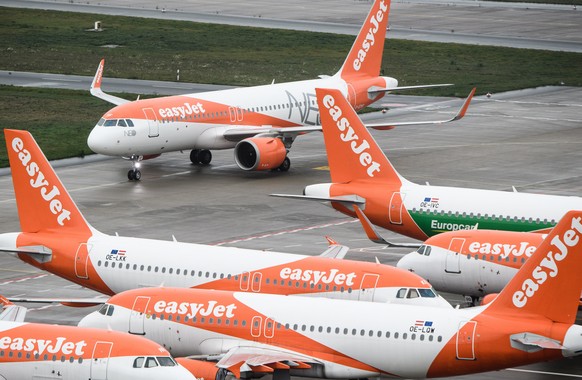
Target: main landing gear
point(200, 156)
point(285, 165)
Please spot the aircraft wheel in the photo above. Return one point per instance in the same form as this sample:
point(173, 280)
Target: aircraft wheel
point(205, 157)
point(137, 175)
point(195, 156)
point(130, 175)
point(285, 165)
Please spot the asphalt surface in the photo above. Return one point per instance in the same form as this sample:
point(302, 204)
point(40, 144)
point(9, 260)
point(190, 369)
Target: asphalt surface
point(529, 139)
point(547, 27)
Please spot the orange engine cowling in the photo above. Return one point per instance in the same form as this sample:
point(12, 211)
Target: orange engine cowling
point(488, 298)
point(260, 153)
point(203, 370)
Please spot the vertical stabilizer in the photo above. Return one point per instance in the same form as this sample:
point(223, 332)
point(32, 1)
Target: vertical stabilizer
point(549, 283)
point(43, 202)
point(365, 56)
point(352, 152)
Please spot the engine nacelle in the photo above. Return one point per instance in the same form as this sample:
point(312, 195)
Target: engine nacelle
point(204, 370)
point(260, 153)
point(488, 298)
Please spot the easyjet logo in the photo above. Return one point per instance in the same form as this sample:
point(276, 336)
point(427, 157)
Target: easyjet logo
point(503, 250)
point(182, 111)
point(49, 193)
point(315, 276)
point(370, 38)
point(549, 264)
point(359, 148)
point(191, 309)
point(39, 346)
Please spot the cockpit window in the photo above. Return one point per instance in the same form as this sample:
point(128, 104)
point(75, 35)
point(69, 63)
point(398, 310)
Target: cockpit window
point(166, 361)
point(110, 123)
point(110, 310)
point(412, 293)
point(424, 250)
point(138, 362)
point(129, 122)
point(121, 123)
point(106, 309)
point(401, 293)
point(151, 362)
point(101, 121)
point(427, 293)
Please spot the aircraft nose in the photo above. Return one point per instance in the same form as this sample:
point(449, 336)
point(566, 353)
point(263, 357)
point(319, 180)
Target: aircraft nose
point(92, 320)
point(97, 141)
point(408, 262)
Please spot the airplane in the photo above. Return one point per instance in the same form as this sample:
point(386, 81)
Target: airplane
point(259, 122)
point(246, 334)
point(41, 351)
point(362, 176)
point(56, 238)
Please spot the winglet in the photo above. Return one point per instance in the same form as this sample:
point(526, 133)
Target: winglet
point(549, 283)
point(96, 87)
point(465, 106)
point(373, 234)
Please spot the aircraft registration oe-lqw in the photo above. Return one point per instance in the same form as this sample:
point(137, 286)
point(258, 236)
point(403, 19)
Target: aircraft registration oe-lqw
point(40, 351)
point(531, 320)
point(259, 122)
point(362, 177)
point(56, 237)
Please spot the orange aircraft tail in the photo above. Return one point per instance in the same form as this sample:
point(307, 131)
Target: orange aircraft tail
point(365, 56)
point(352, 152)
point(549, 283)
point(43, 202)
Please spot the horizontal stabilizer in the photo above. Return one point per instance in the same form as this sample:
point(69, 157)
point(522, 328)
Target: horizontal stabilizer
point(375, 91)
point(346, 200)
point(96, 88)
point(373, 234)
point(530, 342)
point(72, 302)
point(40, 253)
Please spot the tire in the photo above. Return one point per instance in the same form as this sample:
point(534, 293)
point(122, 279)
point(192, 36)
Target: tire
point(195, 156)
point(130, 175)
point(137, 175)
point(285, 165)
point(205, 157)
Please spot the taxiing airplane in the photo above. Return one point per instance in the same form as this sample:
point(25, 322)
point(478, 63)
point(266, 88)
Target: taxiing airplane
point(40, 351)
point(247, 334)
point(259, 122)
point(56, 237)
point(363, 176)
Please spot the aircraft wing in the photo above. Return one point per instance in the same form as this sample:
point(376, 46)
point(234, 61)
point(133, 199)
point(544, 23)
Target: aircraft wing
point(72, 302)
point(376, 91)
point(335, 250)
point(96, 88)
point(243, 132)
point(262, 360)
point(11, 312)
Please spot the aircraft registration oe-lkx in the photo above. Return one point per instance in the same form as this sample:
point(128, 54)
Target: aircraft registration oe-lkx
point(531, 320)
point(259, 122)
point(363, 178)
point(40, 351)
point(56, 237)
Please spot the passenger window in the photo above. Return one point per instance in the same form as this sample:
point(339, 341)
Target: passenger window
point(151, 362)
point(138, 362)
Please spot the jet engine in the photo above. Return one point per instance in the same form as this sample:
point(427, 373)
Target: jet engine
point(261, 153)
point(205, 370)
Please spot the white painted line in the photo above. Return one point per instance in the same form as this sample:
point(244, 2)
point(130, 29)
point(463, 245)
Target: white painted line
point(544, 372)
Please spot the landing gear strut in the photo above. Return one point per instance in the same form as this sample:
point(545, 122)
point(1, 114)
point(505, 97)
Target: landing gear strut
point(200, 156)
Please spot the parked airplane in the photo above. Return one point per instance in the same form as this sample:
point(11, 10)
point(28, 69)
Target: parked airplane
point(259, 122)
point(362, 175)
point(531, 320)
point(40, 351)
point(56, 237)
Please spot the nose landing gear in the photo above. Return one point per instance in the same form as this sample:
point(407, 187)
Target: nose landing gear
point(134, 174)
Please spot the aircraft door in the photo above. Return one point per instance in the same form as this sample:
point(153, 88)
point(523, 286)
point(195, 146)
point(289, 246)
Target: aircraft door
point(137, 316)
point(244, 281)
point(396, 206)
point(153, 125)
point(256, 284)
point(368, 287)
point(466, 340)
point(82, 260)
point(453, 259)
point(256, 326)
point(100, 360)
